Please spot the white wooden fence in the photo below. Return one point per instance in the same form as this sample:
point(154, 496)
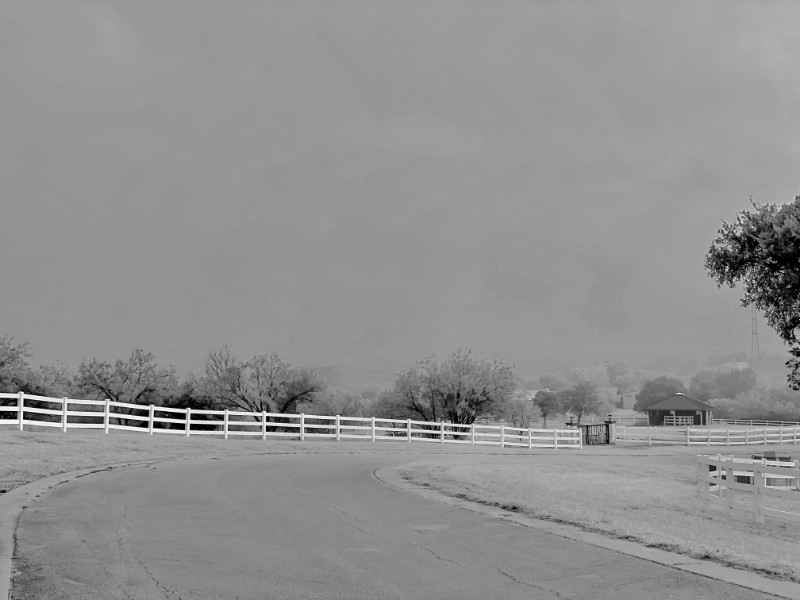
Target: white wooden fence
point(760, 487)
point(755, 423)
point(69, 413)
point(708, 436)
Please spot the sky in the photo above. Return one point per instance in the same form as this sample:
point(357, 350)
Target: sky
point(366, 183)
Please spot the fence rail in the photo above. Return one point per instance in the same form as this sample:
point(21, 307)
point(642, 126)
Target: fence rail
point(746, 485)
point(752, 423)
point(708, 436)
point(20, 410)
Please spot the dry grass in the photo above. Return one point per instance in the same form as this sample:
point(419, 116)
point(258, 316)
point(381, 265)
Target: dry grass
point(649, 496)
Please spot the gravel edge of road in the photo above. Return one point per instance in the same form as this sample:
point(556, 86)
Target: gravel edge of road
point(783, 589)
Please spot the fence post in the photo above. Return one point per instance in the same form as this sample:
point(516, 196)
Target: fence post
point(530, 438)
point(688, 436)
point(106, 415)
point(188, 420)
point(151, 421)
point(758, 493)
point(746, 437)
point(781, 434)
point(702, 471)
point(303, 427)
point(765, 436)
point(225, 425)
point(795, 435)
point(20, 408)
point(408, 429)
point(502, 436)
point(373, 429)
point(709, 435)
point(441, 432)
point(473, 433)
point(263, 425)
point(555, 439)
point(649, 436)
point(64, 414)
point(338, 428)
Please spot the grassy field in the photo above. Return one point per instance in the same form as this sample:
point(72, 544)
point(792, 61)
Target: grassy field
point(644, 494)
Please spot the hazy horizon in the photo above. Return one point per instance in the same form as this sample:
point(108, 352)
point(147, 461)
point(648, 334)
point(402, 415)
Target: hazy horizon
point(366, 183)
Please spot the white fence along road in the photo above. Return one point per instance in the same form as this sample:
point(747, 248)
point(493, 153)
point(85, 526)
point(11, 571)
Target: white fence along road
point(22, 409)
point(762, 488)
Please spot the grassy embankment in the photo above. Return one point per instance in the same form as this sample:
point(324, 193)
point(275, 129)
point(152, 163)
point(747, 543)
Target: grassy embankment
point(645, 494)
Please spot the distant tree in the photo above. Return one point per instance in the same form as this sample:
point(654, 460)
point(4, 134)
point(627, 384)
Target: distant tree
point(761, 250)
point(549, 403)
point(518, 409)
point(16, 373)
point(266, 382)
point(657, 389)
point(336, 402)
point(458, 389)
point(137, 380)
point(730, 384)
point(580, 399)
point(56, 379)
point(703, 385)
point(190, 394)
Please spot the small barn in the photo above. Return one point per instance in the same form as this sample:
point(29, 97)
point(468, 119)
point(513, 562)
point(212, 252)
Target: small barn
point(679, 409)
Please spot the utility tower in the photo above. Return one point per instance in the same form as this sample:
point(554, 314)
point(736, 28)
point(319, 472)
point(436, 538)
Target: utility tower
point(754, 350)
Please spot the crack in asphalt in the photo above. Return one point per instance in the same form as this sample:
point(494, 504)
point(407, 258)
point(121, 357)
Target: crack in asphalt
point(166, 592)
point(532, 585)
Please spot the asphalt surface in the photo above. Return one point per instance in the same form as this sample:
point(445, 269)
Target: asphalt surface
point(306, 527)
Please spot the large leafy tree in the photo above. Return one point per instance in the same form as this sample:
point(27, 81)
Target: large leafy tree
point(657, 389)
point(581, 399)
point(266, 382)
point(458, 389)
point(761, 251)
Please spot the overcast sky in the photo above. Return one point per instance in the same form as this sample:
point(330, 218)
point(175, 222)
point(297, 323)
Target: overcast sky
point(368, 182)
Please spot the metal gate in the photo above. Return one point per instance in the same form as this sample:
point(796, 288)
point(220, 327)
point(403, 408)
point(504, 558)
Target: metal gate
point(594, 435)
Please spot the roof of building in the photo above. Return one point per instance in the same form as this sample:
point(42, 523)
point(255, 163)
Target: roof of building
point(680, 402)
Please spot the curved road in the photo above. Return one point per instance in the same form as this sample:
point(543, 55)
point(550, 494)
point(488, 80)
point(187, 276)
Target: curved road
point(305, 527)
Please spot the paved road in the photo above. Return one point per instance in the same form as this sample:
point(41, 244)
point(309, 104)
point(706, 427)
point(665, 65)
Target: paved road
point(305, 527)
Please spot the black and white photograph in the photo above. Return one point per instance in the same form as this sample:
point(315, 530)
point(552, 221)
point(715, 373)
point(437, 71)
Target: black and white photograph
point(399, 299)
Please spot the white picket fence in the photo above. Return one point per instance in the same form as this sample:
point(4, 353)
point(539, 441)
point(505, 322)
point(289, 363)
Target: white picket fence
point(708, 436)
point(763, 488)
point(69, 413)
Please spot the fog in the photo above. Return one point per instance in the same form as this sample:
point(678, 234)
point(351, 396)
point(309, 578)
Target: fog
point(366, 183)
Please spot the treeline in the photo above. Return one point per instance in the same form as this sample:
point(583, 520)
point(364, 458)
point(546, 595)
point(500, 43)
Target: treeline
point(460, 388)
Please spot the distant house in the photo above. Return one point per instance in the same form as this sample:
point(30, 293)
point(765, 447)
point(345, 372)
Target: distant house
point(628, 399)
point(679, 409)
point(729, 367)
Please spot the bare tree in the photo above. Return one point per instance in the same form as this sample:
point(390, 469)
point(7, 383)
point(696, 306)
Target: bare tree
point(264, 383)
point(459, 389)
point(137, 380)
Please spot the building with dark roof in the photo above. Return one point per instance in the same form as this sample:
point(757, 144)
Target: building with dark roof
point(679, 409)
